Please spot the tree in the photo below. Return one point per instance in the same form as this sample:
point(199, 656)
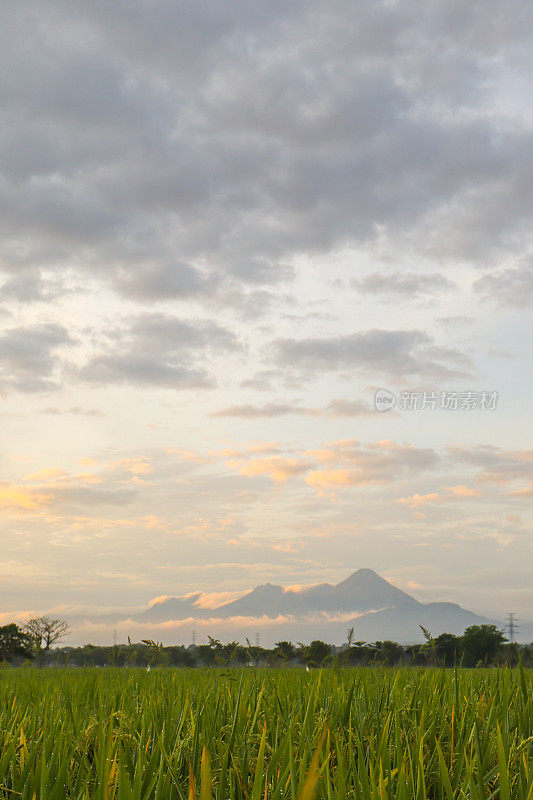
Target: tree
point(430, 643)
point(158, 655)
point(232, 653)
point(481, 644)
point(284, 651)
point(255, 653)
point(316, 653)
point(14, 643)
point(447, 648)
point(43, 632)
point(388, 652)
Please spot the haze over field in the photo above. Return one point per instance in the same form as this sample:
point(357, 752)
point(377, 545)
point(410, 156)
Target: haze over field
point(223, 228)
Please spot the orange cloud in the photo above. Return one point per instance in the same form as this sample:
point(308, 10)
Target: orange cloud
point(135, 466)
point(259, 448)
point(462, 491)
point(417, 500)
point(46, 474)
point(17, 497)
point(56, 476)
point(187, 455)
point(527, 491)
point(331, 478)
point(449, 493)
point(278, 469)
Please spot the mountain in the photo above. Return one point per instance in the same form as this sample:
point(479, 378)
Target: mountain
point(402, 625)
point(376, 608)
point(362, 591)
point(171, 608)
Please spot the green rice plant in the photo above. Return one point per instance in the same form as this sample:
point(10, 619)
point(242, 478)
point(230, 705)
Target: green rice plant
point(279, 734)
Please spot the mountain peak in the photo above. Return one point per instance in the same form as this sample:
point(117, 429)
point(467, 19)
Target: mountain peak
point(363, 575)
point(367, 590)
point(266, 588)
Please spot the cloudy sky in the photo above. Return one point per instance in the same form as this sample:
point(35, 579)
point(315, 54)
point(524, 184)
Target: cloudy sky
point(224, 227)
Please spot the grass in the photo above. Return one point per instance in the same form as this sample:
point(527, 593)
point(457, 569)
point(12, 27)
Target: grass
point(398, 734)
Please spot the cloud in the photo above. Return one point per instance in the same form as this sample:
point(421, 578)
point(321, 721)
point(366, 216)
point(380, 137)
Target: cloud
point(453, 323)
point(335, 408)
point(76, 411)
point(508, 287)
point(213, 600)
point(416, 501)
point(59, 492)
point(75, 496)
point(496, 465)
point(168, 158)
point(47, 474)
point(353, 464)
point(349, 408)
point(394, 354)
point(335, 478)
point(249, 411)
point(13, 498)
point(160, 350)
point(187, 455)
point(29, 357)
point(349, 463)
point(278, 469)
point(27, 287)
point(526, 491)
point(164, 282)
point(262, 381)
point(408, 284)
point(134, 466)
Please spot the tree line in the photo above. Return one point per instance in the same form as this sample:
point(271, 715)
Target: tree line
point(479, 645)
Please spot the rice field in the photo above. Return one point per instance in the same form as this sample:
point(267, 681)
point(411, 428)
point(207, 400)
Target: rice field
point(402, 734)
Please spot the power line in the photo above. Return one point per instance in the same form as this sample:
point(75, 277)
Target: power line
point(511, 626)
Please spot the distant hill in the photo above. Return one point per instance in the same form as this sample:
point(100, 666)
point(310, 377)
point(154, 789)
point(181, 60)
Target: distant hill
point(376, 608)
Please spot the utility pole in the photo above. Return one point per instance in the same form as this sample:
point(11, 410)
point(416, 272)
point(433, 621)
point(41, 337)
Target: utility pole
point(511, 626)
point(257, 640)
point(193, 637)
point(114, 637)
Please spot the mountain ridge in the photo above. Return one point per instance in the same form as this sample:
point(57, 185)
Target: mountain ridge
point(365, 599)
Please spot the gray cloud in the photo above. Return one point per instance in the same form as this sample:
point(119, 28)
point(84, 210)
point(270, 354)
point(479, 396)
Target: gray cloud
point(349, 408)
point(263, 380)
point(495, 463)
point(249, 411)
point(27, 286)
point(378, 462)
point(407, 284)
point(454, 322)
point(29, 358)
point(161, 350)
point(335, 408)
point(76, 411)
point(164, 281)
point(394, 354)
point(147, 145)
point(509, 287)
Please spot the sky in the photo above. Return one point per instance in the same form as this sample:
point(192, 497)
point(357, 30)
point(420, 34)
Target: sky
point(224, 227)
